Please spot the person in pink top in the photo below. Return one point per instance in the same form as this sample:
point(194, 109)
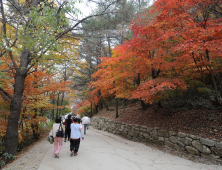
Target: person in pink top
point(57, 140)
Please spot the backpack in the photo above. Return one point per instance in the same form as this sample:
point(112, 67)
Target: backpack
point(60, 132)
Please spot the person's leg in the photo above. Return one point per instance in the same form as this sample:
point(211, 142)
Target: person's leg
point(60, 145)
point(66, 133)
point(69, 131)
point(85, 125)
point(77, 144)
point(55, 145)
point(71, 147)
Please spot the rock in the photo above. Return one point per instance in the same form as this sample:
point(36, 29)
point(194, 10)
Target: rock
point(155, 137)
point(187, 141)
point(180, 143)
point(153, 132)
point(163, 133)
point(194, 137)
point(161, 139)
point(202, 148)
point(218, 145)
point(156, 128)
point(170, 144)
point(146, 136)
point(172, 133)
point(144, 127)
point(210, 156)
point(173, 139)
point(135, 132)
point(140, 138)
point(149, 129)
point(182, 135)
point(215, 130)
point(192, 150)
point(207, 142)
point(216, 151)
point(143, 130)
point(177, 147)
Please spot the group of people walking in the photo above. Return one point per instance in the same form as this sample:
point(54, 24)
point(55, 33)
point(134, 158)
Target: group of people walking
point(72, 128)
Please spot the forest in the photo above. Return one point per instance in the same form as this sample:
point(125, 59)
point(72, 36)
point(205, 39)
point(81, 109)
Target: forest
point(54, 60)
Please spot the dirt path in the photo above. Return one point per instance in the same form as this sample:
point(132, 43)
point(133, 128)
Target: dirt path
point(31, 159)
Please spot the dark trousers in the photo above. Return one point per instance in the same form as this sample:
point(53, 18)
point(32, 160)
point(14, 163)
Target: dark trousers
point(67, 133)
point(74, 145)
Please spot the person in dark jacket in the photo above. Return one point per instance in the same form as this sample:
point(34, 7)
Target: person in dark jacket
point(67, 124)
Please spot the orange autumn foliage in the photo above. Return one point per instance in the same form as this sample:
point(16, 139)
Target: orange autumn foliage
point(173, 40)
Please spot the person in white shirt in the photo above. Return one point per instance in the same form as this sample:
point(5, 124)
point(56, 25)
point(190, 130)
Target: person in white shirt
point(75, 136)
point(85, 122)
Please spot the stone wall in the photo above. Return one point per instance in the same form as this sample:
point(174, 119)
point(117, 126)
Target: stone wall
point(180, 141)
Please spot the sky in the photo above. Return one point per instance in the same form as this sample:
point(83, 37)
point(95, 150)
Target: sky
point(86, 7)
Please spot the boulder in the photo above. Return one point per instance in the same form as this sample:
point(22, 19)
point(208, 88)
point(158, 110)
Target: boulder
point(161, 139)
point(140, 137)
point(216, 151)
point(143, 130)
point(163, 133)
point(181, 144)
point(134, 132)
point(218, 145)
point(170, 144)
point(172, 133)
point(210, 156)
point(207, 142)
point(153, 133)
point(192, 150)
point(177, 147)
point(194, 137)
point(173, 139)
point(202, 148)
point(149, 129)
point(188, 141)
point(181, 134)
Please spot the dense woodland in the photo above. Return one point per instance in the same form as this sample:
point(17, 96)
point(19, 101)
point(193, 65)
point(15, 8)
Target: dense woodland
point(167, 53)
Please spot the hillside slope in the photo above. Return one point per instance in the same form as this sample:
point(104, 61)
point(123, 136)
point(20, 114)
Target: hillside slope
point(200, 122)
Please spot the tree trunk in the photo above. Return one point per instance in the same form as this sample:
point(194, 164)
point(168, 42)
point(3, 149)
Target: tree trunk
point(57, 110)
point(124, 102)
point(53, 110)
point(143, 104)
point(117, 115)
point(96, 109)
point(60, 110)
point(35, 127)
point(107, 108)
point(91, 110)
point(215, 88)
point(100, 101)
point(11, 141)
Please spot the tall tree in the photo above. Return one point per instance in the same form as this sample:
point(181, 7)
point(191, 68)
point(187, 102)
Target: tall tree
point(31, 33)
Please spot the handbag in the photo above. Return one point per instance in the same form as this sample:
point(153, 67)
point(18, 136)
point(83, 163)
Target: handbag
point(60, 132)
point(51, 140)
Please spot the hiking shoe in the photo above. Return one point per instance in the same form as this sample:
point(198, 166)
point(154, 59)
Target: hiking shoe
point(57, 155)
point(71, 153)
point(75, 154)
